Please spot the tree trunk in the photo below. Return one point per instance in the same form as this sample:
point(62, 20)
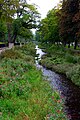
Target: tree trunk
point(75, 45)
point(14, 38)
point(11, 38)
point(11, 45)
point(64, 43)
point(9, 32)
point(69, 44)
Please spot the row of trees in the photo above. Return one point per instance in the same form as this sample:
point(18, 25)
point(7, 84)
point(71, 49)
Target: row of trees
point(17, 18)
point(62, 24)
point(49, 28)
point(70, 22)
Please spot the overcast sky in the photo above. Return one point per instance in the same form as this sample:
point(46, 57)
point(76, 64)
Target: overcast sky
point(44, 5)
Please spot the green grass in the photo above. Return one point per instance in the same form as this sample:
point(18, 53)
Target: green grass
point(2, 42)
point(24, 95)
point(72, 47)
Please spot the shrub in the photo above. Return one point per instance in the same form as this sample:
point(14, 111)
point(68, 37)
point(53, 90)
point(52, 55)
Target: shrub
point(24, 93)
point(27, 49)
point(74, 74)
point(71, 59)
point(29, 58)
point(10, 54)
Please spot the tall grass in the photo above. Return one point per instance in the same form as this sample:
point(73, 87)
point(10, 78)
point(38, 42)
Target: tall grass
point(24, 95)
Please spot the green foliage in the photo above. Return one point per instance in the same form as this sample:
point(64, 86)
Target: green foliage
point(56, 50)
point(49, 29)
point(26, 33)
point(69, 22)
point(3, 30)
point(25, 22)
point(10, 54)
point(24, 95)
point(63, 61)
point(8, 9)
point(59, 115)
point(26, 19)
point(27, 49)
point(74, 74)
point(70, 59)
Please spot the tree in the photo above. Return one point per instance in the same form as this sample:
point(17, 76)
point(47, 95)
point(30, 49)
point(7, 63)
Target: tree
point(44, 30)
point(3, 30)
point(26, 17)
point(69, 27)
point(49, 29)
point(53, 22)
point(7, 11)
point(8, 8)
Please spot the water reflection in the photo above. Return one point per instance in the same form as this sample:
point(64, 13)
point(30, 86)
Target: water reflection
point(39, 52)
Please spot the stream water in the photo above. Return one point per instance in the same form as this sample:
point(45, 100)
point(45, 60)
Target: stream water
point(69, 92)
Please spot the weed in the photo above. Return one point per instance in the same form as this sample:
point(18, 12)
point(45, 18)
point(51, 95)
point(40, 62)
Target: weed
point(24, 95)
point(64, 61)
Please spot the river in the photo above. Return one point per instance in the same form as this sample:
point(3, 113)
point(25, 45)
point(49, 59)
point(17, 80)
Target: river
point(68, 91)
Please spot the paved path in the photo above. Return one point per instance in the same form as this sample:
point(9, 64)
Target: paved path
point(2, 49)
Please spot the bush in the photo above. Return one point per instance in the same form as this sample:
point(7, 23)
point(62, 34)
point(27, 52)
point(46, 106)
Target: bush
point(74, 74)
point(27, 49)
point(70, 59)
point(29, 59)
point(64, 61)
point(10, 54)
point(24, 94)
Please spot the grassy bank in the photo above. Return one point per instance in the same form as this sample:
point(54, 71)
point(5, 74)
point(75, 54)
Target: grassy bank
point(24, 95)
point(64, 61)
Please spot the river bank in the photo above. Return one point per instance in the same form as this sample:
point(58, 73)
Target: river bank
point(24, 94)
point(63, 61)
point(69, 91)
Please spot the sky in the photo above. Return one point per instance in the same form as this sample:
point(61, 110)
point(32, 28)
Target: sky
point(44, 5)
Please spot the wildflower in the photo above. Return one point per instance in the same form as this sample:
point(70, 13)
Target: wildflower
point(62, 97)
point(58, 111)
point(59, 101)
point(52, 97)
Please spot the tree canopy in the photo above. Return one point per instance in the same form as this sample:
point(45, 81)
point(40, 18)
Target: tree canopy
point(19, 17)
point(62, 24)
point(49, 29)
point(70, 21)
